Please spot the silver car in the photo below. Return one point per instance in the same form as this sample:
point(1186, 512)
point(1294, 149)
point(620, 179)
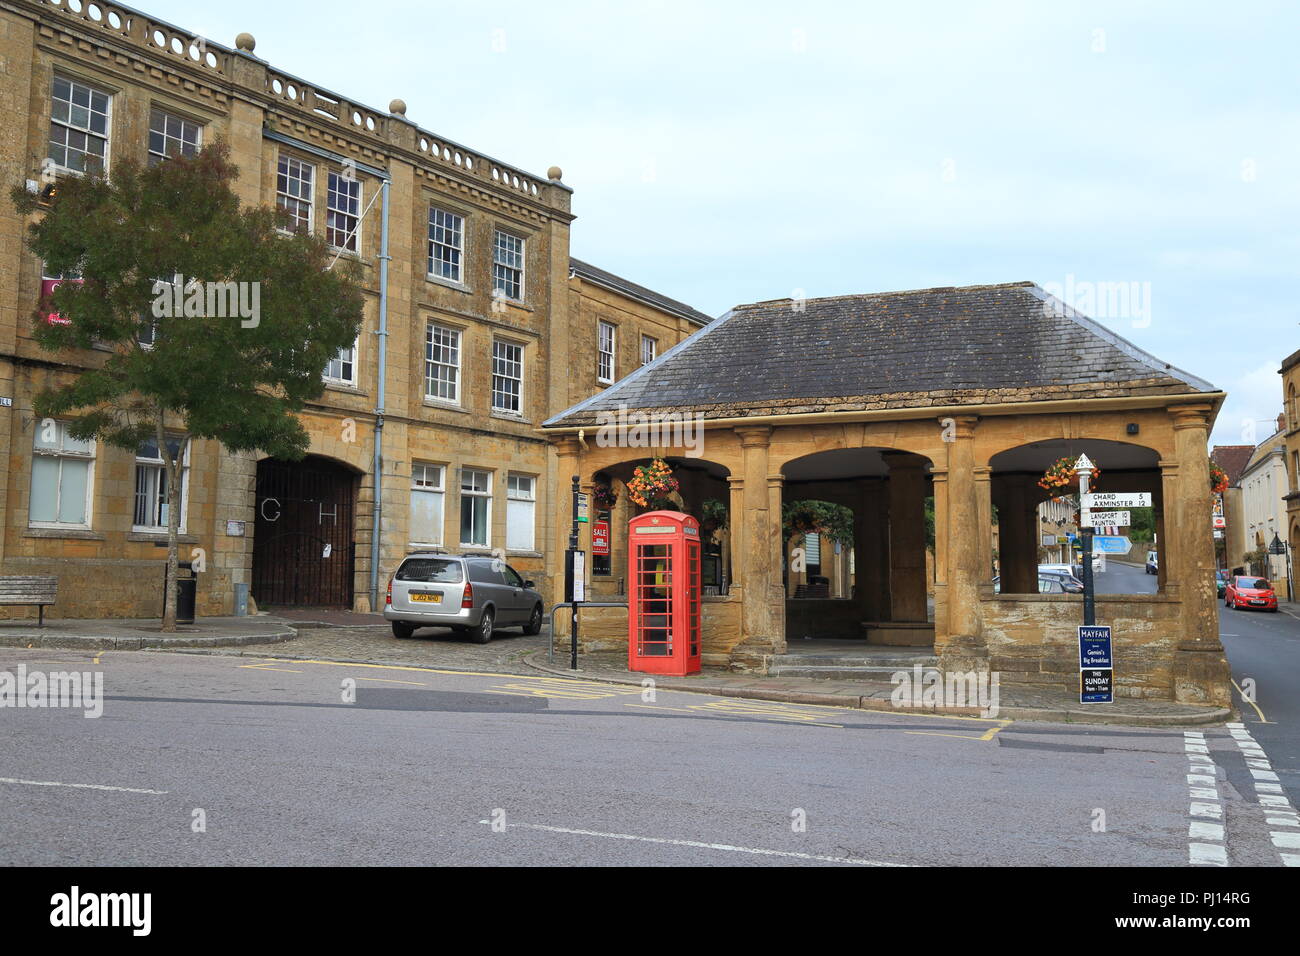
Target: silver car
point(469, 593)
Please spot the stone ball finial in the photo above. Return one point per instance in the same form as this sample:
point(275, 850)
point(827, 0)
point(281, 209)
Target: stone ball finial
point(555, 173)
point(246, 42)
point(398, 107)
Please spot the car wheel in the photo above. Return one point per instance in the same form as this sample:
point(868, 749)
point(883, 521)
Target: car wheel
point(534, 625)
point(483, 633)
point(402, 631)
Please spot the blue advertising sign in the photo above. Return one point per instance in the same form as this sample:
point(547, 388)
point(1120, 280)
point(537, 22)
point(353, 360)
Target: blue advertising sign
point(1094, 646)
point(1111, 544)
point(1095, 686)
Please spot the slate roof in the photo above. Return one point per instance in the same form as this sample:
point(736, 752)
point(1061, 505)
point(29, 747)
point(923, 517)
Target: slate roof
point(930, 347)
point(590, 273)
point(1233, 459)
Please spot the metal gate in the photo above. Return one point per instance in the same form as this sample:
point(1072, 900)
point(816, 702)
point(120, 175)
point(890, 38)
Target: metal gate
point(303, 545)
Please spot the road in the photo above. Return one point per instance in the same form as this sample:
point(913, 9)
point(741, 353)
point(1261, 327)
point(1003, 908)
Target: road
point(438, 767)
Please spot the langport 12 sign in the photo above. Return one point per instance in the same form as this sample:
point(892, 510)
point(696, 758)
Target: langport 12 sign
point(1096, 665)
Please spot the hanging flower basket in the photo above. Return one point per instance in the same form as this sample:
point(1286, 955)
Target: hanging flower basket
point(713, 518)
point(606, 497)
point(1218, 479)
point(1060, 479)
point(652, 485)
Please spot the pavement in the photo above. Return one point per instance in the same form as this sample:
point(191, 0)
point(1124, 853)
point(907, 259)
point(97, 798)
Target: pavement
point(213, 759)
point(141, 634)
point(346, 636)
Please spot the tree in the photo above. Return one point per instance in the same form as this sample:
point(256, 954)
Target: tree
point(217, 321)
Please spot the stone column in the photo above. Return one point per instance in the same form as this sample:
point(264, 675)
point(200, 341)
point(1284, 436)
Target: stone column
point(1201, 672)
point(755, 575)
point(939, 484)
point(907, 591)
point(776, 546)
point(735, 532)
point(968, 544)
point(1168, 492)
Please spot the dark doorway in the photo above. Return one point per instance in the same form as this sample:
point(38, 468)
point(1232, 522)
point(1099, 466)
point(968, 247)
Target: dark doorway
point(303, 547)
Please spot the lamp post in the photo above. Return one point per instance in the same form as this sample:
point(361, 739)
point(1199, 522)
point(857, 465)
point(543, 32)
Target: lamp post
point(1084, 468)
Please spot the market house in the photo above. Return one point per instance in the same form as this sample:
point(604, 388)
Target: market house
point(884, 409)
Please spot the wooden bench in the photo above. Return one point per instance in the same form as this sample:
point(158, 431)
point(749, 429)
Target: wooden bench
point(29, 589)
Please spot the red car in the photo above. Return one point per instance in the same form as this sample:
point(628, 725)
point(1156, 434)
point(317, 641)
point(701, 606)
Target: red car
point(1249, 592)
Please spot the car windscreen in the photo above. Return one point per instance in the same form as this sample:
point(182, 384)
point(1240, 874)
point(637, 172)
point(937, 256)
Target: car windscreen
point(1254, 584)
point(430, 571)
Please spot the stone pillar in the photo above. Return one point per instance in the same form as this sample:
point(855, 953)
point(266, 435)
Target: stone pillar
point(757, 626)
point(1201, 673)
point(967, 539)
point(776, 546)
point(1168, 492)
point(735, 532)
point(907, 591)
point(939, 488)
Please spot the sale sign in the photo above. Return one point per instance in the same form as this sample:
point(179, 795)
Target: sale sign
point(600, 537)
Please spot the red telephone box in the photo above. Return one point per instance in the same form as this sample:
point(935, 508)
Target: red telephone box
point(664, 599)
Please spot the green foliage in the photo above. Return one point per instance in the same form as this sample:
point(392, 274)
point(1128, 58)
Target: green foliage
point(223, 380)
point(820, 517)
point(1143, 527)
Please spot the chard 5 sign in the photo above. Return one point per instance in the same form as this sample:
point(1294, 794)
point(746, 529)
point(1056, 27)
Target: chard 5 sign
point(1096, 665)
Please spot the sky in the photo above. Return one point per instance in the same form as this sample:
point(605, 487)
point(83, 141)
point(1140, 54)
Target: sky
point(1140, 160)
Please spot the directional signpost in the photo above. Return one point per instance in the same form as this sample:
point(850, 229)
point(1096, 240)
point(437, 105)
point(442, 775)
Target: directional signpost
point(1098, 519)
point(1109, 500)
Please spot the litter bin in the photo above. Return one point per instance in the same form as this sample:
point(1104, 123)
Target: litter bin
point(186, 591)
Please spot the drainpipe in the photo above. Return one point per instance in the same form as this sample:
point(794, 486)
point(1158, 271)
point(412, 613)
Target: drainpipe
point(378, 468)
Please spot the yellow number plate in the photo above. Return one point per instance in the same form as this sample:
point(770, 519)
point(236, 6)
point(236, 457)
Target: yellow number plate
point(426, 598)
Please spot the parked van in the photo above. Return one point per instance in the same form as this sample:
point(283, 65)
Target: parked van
point(1153, 562)
point(472, 594)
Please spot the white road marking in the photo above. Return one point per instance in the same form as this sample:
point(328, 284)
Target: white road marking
point(1207, 854)
point(1200, 830)
point(699, 845)
point(79, 786)
point(1205, 793)
point(1290, 859)
point(1207, 810)
point(1285, 841)
point(1263, 774)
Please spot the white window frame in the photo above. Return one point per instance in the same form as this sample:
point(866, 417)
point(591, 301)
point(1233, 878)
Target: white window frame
point(160, 468)
point(184, 121)
point(652, 350)
point(82, 129)
point(429, 479)
point(501, 366)
point(521, 490)
point(452, 225)
point(475, 492)
point(352, 236)
point(291, 168)
point(431, 363)
point(346, 356)
point(61, 453)
point(503, 268)
point(606, 356)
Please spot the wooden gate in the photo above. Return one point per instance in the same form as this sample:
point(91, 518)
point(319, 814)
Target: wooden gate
point(303, 548)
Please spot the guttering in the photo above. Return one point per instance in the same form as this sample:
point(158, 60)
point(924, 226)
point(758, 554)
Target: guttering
point(377, 463)
point(1055, 406)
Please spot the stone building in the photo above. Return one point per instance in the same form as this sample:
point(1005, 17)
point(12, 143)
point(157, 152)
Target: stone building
point(961, 397)
point(1233, 460)
point(1291, 411)
point(489, 327)
point(1264, 486)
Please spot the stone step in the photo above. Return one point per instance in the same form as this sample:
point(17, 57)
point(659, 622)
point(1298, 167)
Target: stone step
point(866, 672)
point(896, 660)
